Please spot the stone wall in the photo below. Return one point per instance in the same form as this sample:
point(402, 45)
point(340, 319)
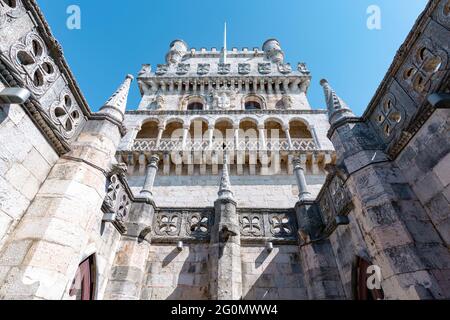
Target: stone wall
point(425, 163)
point(275, 275)
point(173, 275)
point(25, 161)
point(278, 191)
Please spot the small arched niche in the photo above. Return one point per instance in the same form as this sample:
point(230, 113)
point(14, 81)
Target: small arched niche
point(253, 102)
point(299, 130)
point(195, 104)
point(149, 130)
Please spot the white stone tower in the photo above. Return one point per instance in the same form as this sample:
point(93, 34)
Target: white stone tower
point(249, 102)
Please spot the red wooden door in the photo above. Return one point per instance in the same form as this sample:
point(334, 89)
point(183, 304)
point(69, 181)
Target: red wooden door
point(362, 292)
point(83, 284)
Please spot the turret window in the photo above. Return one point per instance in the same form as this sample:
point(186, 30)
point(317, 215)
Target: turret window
point(252, 105)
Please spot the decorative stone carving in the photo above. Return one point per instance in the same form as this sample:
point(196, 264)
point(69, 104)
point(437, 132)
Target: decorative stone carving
point(146, 71)
point(10, 10)
point(303, 69)
point(388, 115)
point(66, 114)
point(31, 60)
point(224, 68)
point(426, 60)
point(340, 196)
point(162, 69)
point(244, 68)
point(281, 225)
point(183, 68)
point(223, 98)
point(117, 203)
point(159, 102)
point(252, 225)
point(265, 68)
point(167, 224)
point(284, 68)
point(285, 103)
point(443, 13)
point(198, 225)
point(203, 68)
point(327, 210)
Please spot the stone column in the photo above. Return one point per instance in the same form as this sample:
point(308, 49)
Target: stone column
point(42, 255)
point(288, 137)
point(129, 267)
point(299, 171)
point(225, 244)
point(315, 137)
point(210, 136)
point(236, 137)
point(185, 135)
point(262, 137)
point(150, 176)
point(161, 129)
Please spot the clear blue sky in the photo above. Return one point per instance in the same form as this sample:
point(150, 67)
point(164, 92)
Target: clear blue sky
point(117, 37)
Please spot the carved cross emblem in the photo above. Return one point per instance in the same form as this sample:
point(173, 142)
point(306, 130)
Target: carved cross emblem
point(285, 68)
point(203, 68)
point(162, 69)
point(183, 68)
point(251, 226)
point(168, 224)
point(244, 68)
point(265, 68)
point(224, 68)
point(280, 225)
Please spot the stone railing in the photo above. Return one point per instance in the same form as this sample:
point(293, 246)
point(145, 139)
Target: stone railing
point(194, 224)
point(152, 145)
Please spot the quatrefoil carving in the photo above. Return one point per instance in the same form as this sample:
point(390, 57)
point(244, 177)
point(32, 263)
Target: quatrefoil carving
point(32, 61)
point(66, 115)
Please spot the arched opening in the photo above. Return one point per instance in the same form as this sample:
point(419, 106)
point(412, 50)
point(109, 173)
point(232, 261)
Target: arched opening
point(360, 284)
point(83, 285)
point(248, 134)
point(253, 103)
point(195, 103)
point(149, 130)
point(223, 131)
point(198, 130)
point(174, 131)
point(299, 130)
point(274, 130)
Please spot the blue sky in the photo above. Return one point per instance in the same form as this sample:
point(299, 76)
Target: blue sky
point(117, 37)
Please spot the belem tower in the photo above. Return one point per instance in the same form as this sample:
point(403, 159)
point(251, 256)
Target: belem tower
point(224, 182)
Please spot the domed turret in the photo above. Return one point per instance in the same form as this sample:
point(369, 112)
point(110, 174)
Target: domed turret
point(273, 51)
point(178, 49)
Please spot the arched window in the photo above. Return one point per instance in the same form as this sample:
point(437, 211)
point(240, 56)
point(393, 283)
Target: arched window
point(195, 106)
point(360, 276)
point(252, 105)
point(84, 283)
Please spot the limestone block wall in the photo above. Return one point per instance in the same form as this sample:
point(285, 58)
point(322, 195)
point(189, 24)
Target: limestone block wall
point(176, 275)
point(274, 275)
point(278, 191)
point(347, 243)
point(425, 163)
point(25, 161)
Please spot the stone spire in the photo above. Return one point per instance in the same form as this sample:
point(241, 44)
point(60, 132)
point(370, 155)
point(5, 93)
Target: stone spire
point(337, 108)
point(225, 185)
point(117, 104)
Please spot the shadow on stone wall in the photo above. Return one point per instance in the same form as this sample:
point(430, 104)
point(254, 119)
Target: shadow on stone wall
point(275, 275)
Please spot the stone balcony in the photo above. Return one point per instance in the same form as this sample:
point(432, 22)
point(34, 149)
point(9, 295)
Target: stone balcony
point(165, 145)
